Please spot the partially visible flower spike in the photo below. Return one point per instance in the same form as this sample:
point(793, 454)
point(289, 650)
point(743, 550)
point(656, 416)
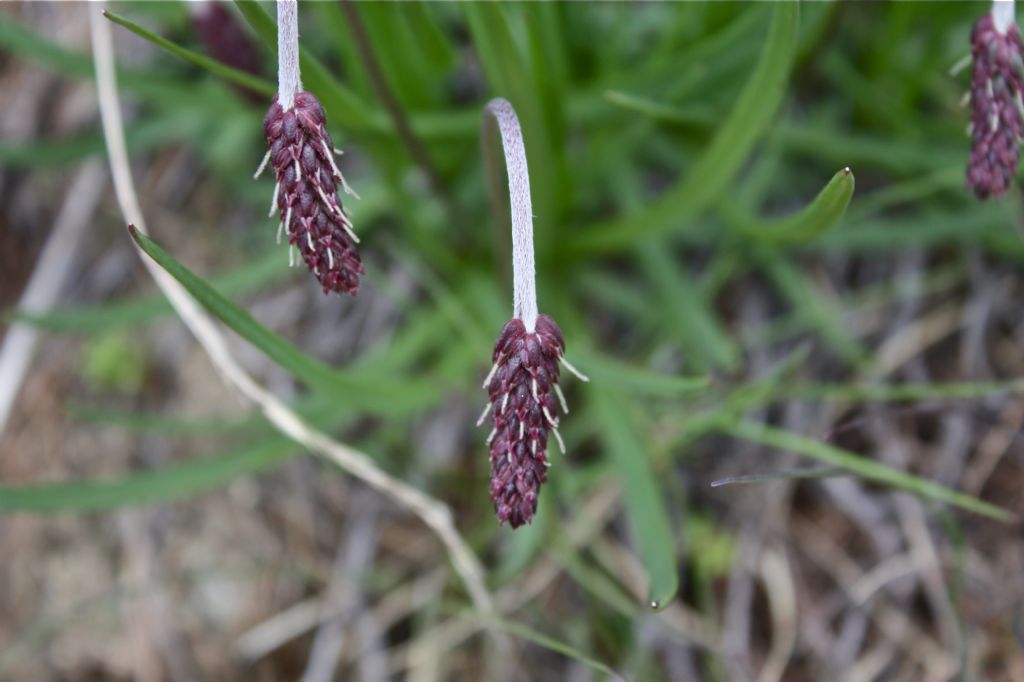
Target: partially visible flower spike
point(523, 380)
point(997, 110)
point(302, 156)
point(224, 38)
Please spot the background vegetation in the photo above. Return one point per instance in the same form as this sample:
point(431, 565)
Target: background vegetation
point(736, 317)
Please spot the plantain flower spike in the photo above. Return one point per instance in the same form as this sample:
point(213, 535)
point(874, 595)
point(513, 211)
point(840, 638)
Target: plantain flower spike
point(997, 111)
point(301, 155)
point(522, 385)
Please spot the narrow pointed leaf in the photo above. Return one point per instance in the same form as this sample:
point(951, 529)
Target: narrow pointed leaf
point(645, 508)
point(861, 466)
point(813, 220)
point(709, 177)
point(246, 80)
point(368, 392)
point(173, 482)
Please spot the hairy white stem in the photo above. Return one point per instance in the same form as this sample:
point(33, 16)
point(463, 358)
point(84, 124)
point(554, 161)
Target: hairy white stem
point(1002, 15)
point(524, 285)
point(434, 513)
point(289, 80)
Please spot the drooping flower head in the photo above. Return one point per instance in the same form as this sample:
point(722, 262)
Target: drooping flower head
point(997, 110)
point(523, 381)
point(301, 154)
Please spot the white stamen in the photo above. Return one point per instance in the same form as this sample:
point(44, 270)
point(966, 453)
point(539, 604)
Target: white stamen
point(547, 464)
point(533, 446)
point(558, 437)
point(338, 151)
point(965, 100)
point(348, 230)
point(1020, 103)
point(280, 229)
point(504, 404)
point(490, 375)
point(534, 387)
point(524, 285)
point(291, 255)
point(309, 242)
point(988, 87)
point(273, 200)
point(330, 157)
point(561, 398)
point(491, 435)
point(993, 122)
point(508, 456)
point(330, 258)
point(483, 415)
point(961, 64)
point(289, 80)
point(579, 375)
point(263, 164)
point(298, 170)
point(1002, 15)
point(288, 221)
point(344, 184)
point(323, 196)
point(522, 430)
point(547, 415)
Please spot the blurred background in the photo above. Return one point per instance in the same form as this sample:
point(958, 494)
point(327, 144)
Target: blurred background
point(836, 371)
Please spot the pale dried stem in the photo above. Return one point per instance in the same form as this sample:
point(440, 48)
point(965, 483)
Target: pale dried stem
point(52, 271)
point(434, 513)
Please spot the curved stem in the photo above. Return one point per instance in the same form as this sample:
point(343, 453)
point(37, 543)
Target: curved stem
point(289, 79)
point(524, 285)
point(1002, 15)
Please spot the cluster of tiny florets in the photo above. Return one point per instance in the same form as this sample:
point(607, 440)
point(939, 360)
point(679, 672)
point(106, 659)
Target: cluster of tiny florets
point(305, 196)
point(997, 111)
point(521, 388)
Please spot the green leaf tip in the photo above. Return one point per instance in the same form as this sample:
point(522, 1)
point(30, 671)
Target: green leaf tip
point(814, 220)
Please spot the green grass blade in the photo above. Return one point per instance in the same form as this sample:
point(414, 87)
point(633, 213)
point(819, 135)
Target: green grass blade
point(707, 345)
point(64, 151)
point(861, 466)
point(369, 392)
point(973, 390)
point(824, 314)
point(92, 319)
point(509, 73)
point(813, 220)
point(660, 112)
point(552, 644)
point(173, 482)
point(645, 508)
point(246, 80)
point(135, 422)
point(714, 170)
point(605, 370)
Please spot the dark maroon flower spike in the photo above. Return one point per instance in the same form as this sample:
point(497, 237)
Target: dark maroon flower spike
point(523, 382)
point(302, 156)
point(997, 111)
